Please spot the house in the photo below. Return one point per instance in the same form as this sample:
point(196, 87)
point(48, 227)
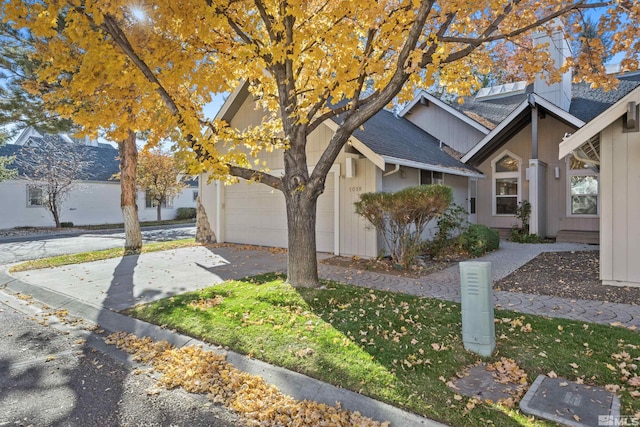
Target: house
point(389, 153)
point(95, 199)
point(495, 150)
point(611, 142)
point(511, 134)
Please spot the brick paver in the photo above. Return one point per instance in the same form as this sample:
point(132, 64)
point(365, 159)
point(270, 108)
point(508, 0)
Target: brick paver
point(445, 285)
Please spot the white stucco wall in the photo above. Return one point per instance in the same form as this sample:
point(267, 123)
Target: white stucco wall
point(88, 203)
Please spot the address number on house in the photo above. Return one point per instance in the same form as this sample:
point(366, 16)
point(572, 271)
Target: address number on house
point(355, 189)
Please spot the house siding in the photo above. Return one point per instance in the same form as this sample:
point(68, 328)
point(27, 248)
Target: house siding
point(550, 133)
point(444, 126)
point(89, 203)
point(354, 236)
point(619, 183)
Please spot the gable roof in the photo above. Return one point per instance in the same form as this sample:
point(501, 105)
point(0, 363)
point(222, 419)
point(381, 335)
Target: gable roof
point(595, 126)
point(512, 113)
point(517, 120)
point(104, 157)
point(398, 141)
point(383, 139)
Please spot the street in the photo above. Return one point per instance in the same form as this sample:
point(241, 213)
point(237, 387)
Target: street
point(64, 375)
point(22, 249)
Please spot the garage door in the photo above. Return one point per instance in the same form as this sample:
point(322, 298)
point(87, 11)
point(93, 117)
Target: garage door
point(255, 214)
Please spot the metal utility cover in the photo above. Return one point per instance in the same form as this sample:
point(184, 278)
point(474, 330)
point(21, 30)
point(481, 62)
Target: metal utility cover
point(569, 403)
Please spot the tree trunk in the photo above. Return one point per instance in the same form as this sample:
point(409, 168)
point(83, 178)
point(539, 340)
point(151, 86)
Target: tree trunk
point(56, 215)
point(204, 233)
point(159, 210)
point(128, 163)
point(302, 265)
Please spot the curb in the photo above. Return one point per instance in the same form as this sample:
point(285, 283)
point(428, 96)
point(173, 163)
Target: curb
point(288, 382)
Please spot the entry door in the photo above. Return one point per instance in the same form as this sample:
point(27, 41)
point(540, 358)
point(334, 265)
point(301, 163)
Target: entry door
point(472, 200)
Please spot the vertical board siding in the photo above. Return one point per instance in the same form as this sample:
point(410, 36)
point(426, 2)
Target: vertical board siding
point(356, 235)
point(444, 126)
point(606, 199)
point(633, 200)
point(620, 203)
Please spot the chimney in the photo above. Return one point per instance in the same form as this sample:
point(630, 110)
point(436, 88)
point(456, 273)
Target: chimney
point(559, 49)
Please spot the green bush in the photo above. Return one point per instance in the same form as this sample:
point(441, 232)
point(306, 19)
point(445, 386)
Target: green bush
point(66, 224)
point(185, 213)
point(451, 224)
point(479, 239)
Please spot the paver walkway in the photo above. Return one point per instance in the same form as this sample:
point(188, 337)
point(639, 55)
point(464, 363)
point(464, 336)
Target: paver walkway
point(119, 283)
point(445, 285)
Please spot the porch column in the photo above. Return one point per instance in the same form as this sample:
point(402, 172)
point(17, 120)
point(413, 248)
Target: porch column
point(537, 173)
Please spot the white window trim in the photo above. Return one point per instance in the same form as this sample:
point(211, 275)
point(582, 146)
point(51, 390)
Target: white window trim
point(431, 177)
point(495, 175)
point(168, 203)
point(580, 172)
point(41, 205)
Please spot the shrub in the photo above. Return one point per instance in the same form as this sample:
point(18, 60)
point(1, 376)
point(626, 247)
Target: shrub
point(521, 234)
point(185, 213)
point(401, 217)
point(523, 213)
point(450, 225)
point(479, 239)
point(66, 224)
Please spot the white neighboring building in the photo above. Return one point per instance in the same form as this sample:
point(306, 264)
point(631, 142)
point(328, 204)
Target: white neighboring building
point(95, 200)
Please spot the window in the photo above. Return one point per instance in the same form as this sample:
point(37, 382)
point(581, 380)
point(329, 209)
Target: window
point(34, 196)
point(151, 202)
point(582, 188)
point(506, 183)
point(195, 195)
point(431, 177)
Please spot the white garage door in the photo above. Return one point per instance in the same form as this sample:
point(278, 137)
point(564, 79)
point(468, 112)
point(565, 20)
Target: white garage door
point(255, 214)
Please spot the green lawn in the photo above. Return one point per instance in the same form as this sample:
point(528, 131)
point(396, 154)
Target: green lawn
point(396, 348)
point(61, 260)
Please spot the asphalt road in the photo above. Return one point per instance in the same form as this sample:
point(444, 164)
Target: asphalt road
point(22, 249)
point(49, 376)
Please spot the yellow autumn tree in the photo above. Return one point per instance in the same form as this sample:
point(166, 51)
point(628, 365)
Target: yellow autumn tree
point(160, 177)
point(153, 65)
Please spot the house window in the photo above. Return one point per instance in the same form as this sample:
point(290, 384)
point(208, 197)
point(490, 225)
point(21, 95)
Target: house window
point(195, 195)
point(151, 202)
point(34, 196)
point(582, 181)
point(506, 183)
point(431, 177)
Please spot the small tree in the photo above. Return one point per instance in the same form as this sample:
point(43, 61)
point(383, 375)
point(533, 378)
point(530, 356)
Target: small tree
point(54, 166)
point(401, 217)
point(159, 176)
point(5, 172)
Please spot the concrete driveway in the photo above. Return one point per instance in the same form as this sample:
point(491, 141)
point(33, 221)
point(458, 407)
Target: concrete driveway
point(22, 249)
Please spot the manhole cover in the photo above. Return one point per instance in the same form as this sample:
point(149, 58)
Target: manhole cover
point(481, 384)
point(569, 403)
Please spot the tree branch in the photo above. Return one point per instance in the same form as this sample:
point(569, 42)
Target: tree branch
point(257, 176)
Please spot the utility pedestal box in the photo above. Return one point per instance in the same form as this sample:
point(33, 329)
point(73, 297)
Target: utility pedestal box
point(478, 329)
